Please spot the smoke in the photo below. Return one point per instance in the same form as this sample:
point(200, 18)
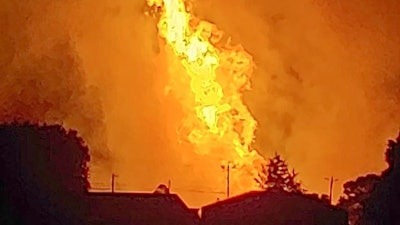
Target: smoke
point(42, 78)
point(325, 92)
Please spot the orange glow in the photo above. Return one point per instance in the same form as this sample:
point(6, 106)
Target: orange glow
point(219, 74)
point(325, 92)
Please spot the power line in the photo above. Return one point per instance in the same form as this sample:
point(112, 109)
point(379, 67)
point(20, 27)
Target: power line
point(200, 191)
point(103, 188)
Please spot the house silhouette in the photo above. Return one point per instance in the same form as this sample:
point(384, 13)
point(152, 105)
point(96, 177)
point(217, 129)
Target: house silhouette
point(272, 208)
point(139, 209)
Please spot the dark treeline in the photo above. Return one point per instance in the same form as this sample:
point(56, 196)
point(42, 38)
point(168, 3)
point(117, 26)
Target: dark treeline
point(375, 199)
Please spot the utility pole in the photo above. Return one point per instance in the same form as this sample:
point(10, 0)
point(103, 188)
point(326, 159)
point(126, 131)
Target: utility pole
point(228, 167)
point(331, 181)
point(113, 176)
point(227, 180)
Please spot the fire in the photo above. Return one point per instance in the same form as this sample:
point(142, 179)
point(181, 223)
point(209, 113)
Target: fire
point(219, 74)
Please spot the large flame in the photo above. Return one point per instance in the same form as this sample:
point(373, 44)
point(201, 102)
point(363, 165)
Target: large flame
point(219, 73)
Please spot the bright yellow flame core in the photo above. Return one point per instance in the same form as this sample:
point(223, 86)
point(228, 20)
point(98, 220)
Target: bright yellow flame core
point(218, 77)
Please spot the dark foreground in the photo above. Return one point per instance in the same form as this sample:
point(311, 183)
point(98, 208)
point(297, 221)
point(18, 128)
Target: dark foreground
point(44, 171)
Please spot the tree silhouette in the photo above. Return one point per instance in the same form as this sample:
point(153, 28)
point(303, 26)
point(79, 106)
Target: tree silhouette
point(373, 199)
point(276, 176)
point(43, 173)
point(355, 195)
point(382, 206)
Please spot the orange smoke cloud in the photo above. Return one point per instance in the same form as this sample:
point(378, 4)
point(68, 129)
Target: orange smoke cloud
point(42, 79)
point(321, 93)
point(324, 91)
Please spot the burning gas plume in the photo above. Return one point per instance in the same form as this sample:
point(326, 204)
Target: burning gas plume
point(217, 121)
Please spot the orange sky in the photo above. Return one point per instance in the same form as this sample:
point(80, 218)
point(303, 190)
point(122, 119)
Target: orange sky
point(324, 92)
